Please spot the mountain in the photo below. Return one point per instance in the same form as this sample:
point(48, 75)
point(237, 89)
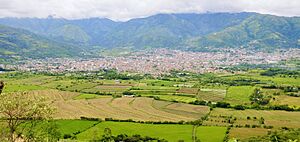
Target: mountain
point(18, 43)
point(179, 31)
point(162, 30)
point(257, 31)
point(82, 31)
point(169, 30)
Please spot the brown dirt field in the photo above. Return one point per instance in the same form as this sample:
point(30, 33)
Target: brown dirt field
point(146, 105)
point(189, 108)
point(188, 91)
point(120, 108)
point(123, 104)
point(244, 133)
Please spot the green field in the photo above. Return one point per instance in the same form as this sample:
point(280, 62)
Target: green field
point(169, 132)
point(239, 94)
point(20, 88)
point(89, 96)
point(158, 100)
point(73, 126)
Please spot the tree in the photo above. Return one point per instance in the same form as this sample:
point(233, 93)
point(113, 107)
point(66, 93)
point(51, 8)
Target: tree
point(1, 86)
point(22, 112)
point(107, 136)
point(196, 124)
point(223, 104)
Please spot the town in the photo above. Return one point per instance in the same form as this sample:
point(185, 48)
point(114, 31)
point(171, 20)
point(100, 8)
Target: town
point(159, 61)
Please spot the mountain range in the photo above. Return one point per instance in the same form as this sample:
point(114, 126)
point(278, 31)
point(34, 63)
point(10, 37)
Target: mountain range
point(55, 37)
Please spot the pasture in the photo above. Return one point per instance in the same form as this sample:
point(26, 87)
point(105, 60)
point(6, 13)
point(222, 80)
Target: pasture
point(89, 96)
point(170, 132)
point(74, 126)
point(239, 94)
point(244, 133)
point(213, 95)
point(277, 119)
point(287, 100)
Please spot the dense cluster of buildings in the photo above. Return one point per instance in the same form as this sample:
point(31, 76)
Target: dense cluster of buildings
point(160, 61)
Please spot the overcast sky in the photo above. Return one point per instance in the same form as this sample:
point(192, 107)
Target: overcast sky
point(128, 9)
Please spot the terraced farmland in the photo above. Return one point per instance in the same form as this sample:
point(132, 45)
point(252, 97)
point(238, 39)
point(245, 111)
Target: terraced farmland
point(144, 109)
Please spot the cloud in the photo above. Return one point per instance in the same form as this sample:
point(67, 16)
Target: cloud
point(128, 9)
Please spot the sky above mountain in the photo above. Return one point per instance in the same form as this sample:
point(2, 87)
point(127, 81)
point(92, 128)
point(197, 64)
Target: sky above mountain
point(122, 10)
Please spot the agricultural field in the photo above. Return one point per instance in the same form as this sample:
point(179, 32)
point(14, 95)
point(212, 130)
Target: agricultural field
point(245, 133)
point(276, 119)
point(89, 96)
point(72, 105)
point(169, 132)
point(239, 94)
point(139, 109)
point(213, 95)
point(183, 99)
point(286, 100)
point(74, 126)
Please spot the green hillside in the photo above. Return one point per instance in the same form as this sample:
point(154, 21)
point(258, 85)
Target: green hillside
point(71, 33)
point(16, 43)
point(176, 31)
point(258, 31)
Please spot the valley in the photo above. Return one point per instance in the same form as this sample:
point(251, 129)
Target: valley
point(87, 103)
point(149, 71)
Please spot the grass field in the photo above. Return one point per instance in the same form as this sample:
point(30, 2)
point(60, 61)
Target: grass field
point(213, 95)
point(239, 94)
point(287, 100)
point(21, 88)
point(73, 126)
point(274, 79)
point(244, 133)
point(276, 119)
point(169, 132)
point(174, 98)
point(113, 89)
point(90, 96)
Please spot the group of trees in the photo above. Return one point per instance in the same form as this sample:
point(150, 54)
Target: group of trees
point(259, 98)
point(282, 72)
point(26, 118)
point(108, 137)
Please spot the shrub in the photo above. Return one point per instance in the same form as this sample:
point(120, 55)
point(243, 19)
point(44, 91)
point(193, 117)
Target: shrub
point(223, 105)
point(239, 107)
point(67, 136)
